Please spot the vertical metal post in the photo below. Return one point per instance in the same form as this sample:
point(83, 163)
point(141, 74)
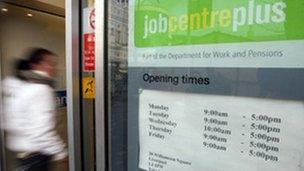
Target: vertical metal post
point(2, 144)
point(73, 83)
point(100, 85)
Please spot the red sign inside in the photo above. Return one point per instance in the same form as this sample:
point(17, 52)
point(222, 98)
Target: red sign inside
point(89, 52)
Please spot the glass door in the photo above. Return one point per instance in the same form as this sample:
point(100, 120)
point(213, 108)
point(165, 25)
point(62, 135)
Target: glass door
point(23, 28)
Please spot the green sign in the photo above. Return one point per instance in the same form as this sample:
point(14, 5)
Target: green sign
point(187, 22)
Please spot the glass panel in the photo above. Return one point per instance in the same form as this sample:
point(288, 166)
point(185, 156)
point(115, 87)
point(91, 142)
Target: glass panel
point(212, 85)
point(117, 80)
point(215, 85)
point(20, 29)
point(88, 69)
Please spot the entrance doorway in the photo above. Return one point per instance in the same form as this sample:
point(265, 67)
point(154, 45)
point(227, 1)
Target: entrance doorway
point(25, 25)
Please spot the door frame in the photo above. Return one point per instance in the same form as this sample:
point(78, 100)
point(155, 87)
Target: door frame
point(73, 81)
point(101, 86)
point(73, 70)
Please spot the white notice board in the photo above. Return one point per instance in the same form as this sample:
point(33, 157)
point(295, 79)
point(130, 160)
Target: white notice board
point(182, 131)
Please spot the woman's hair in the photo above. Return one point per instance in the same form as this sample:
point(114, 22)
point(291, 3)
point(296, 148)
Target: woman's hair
point(34, 56)
point(22, 65)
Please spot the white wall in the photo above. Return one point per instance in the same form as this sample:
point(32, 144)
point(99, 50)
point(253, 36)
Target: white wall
point(19, 33)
